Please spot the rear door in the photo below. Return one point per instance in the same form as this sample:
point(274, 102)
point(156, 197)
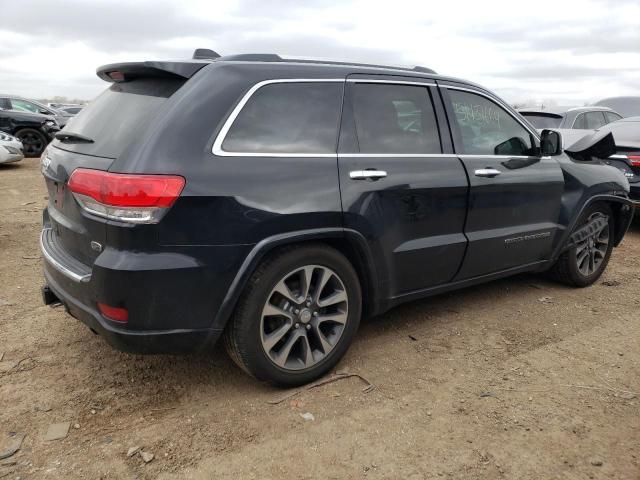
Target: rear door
point(402, 187)
point(514, 198)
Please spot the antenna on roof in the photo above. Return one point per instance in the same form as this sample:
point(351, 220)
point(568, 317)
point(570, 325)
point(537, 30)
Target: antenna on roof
point(205, 54)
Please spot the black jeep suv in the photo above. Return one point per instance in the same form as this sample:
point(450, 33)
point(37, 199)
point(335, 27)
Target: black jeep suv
point(34, 130)
point(275, 202)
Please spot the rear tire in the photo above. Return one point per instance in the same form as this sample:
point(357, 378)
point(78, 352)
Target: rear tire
point(296, 317)
point(33, 141)
point(583, 264)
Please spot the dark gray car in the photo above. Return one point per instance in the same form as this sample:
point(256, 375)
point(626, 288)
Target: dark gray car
point(274, 202)
point(21, 104)
point(570, 117)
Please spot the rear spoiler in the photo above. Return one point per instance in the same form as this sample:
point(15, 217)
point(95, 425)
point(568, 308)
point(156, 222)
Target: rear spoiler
point(122, 72)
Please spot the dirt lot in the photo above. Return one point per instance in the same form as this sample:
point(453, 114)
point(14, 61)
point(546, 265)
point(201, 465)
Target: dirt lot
point(518, 379)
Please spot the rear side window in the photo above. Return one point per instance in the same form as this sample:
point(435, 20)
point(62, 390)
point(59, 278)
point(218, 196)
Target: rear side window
point(486, 128)
point(394, 118)
point(288, 117)
point(119, 115)
point(595, 119)
point(543, 121)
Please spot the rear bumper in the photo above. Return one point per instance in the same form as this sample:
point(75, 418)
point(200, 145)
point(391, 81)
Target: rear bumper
point(141, 342)
point(172, 298)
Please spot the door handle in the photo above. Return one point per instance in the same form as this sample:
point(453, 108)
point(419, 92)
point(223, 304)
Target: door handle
point(367, 174)
point(487, 172)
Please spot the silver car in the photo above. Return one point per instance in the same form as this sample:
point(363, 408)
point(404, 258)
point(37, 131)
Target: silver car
point(585, 118)
point(10, 149)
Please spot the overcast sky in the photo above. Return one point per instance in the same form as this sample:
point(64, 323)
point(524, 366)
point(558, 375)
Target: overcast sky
point(569, 52)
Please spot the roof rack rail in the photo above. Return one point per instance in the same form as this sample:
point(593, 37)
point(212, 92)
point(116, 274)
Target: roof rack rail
point(252, 57)
point(205, 54)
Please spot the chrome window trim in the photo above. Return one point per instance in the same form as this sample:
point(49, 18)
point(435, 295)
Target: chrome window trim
point(58, 266)
point(217, 144)
point(496, 101)
point(397, 155)
point(470, 155)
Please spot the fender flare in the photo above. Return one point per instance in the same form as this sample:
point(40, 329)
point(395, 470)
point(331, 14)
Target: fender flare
point(267, 245)
point(624, 218)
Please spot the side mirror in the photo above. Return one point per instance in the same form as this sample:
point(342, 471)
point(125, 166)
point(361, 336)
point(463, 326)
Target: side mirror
point(550, 143)
point(46, 112)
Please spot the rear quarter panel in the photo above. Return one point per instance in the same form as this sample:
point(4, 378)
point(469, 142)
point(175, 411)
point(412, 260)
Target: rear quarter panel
point(585, 182)
point(231, 200)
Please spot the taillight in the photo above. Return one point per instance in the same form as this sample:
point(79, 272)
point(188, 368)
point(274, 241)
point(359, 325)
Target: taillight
point(125, 197)
point(634, 159)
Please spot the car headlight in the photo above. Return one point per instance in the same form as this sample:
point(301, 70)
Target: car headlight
point(6, 138)
point(49, 123)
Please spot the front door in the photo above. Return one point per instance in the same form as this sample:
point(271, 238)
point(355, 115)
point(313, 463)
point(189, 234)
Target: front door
point(514, 197)
point(402, 187)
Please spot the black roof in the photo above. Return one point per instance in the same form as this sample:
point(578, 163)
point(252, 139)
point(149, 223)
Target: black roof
point(186, 68)
point(272, 57)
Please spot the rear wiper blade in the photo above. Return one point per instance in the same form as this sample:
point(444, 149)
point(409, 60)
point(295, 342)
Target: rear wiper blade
point(70, 137)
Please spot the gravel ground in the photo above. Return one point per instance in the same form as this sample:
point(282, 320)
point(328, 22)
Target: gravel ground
point(518, 379)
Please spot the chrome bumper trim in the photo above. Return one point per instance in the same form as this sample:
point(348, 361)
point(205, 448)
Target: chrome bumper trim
point(66, 271)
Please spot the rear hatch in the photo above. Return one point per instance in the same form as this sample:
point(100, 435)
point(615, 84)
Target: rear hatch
point(94, 139)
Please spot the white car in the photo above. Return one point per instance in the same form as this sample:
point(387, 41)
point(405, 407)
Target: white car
point(10, 148)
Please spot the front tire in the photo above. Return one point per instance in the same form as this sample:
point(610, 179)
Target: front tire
point(297, 316)
point(584, 263)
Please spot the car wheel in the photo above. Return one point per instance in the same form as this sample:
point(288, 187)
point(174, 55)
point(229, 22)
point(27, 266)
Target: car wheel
point(583, 263)
point(296, 317)
point(33, 141)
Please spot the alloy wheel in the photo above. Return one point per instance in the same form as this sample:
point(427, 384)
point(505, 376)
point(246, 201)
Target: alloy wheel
point(31, 142)
point(304, 317)
point(591, 252)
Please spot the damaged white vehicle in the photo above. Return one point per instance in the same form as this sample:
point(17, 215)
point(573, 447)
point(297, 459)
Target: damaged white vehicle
point(10, 149)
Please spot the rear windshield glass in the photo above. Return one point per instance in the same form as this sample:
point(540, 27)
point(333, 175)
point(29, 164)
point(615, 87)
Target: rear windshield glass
point(543, 121)
point(118, 116)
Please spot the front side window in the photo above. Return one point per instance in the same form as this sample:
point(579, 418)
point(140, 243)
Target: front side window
point(486, 128)
point(288, 117)
point(395, 118)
